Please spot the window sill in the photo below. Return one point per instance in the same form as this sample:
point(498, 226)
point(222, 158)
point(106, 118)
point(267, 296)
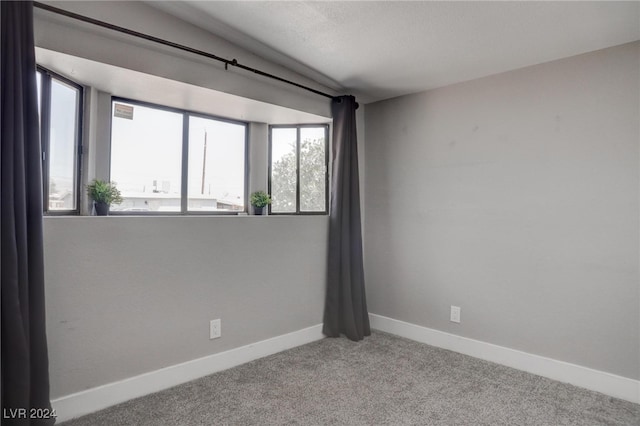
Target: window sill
point(167, 216)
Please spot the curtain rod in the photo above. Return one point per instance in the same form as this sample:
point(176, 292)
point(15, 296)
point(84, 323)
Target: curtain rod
point(227, 62)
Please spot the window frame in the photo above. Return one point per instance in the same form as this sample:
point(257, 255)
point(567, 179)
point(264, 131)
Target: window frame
point(45, 133)
point(184, 164)
point(298, 212)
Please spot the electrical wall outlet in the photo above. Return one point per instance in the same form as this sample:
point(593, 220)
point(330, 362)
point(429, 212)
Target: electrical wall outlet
point(215, 329)
point(455, 314)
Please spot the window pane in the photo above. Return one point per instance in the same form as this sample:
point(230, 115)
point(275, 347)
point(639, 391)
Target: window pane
point(62, 146)
point(283, 170)
point(216, 165)
point(312, 169)
point(146, 158)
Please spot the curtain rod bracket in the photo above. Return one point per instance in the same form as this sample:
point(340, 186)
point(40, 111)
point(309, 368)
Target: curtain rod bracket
point(233, 62)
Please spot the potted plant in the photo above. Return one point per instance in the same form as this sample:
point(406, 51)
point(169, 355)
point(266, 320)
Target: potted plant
point(103, 194)
point(259, 200)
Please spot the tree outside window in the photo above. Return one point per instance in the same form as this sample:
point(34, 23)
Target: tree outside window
point(298, 178)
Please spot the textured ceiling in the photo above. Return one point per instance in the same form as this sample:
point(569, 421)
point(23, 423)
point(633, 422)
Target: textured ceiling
point(378, 50)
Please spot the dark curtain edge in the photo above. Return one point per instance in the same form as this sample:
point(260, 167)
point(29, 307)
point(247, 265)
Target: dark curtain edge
point(25, 370)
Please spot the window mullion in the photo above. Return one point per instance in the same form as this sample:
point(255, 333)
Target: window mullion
point(269, 169)
point(298, 170)
point(78, 170)
point(45, 130)
point(326, 170)
point(184, 191)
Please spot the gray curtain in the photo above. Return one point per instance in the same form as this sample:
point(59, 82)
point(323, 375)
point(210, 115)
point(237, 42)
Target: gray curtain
point(345, 305)
point(25, 369)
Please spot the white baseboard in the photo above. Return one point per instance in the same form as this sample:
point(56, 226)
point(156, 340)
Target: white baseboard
point(95, 399)
point(599, 381)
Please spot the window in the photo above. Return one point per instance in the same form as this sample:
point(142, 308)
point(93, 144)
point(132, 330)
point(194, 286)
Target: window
point(60, 108)
point(146, 157)
point(298, 169)
point(174, 161)
point(217, 158)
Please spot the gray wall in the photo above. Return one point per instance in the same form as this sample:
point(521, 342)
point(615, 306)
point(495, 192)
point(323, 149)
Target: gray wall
point(128, 295)
point(514, 197)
